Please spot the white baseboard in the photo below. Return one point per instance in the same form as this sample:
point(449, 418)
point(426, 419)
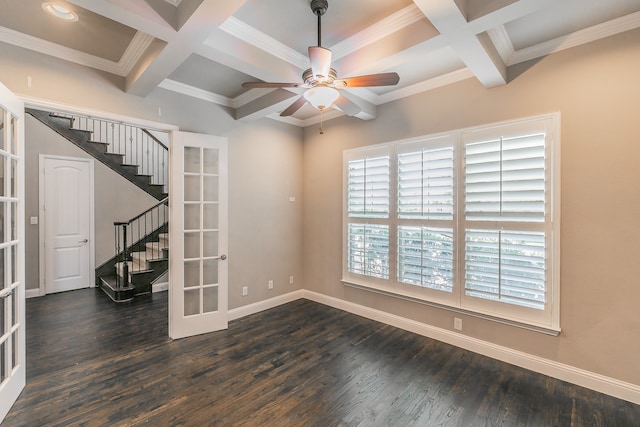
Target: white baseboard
point(257, 307)
point(581, 377)
point(32, 293)
point(159, 287)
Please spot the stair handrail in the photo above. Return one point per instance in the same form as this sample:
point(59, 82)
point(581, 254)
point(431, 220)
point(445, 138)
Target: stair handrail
point(123, 250)
point(137, 144)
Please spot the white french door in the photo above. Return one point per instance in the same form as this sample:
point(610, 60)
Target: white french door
point(12, 292)
point(198, 234)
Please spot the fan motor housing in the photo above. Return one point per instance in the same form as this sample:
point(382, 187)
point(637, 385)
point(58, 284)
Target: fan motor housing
point(319, 7)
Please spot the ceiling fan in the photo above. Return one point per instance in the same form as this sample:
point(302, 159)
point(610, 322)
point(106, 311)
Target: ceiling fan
point(321, 80)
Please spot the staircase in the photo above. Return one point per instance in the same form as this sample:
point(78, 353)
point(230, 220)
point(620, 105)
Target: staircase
point(141, 252)
point(133, 271)
point(132, 152)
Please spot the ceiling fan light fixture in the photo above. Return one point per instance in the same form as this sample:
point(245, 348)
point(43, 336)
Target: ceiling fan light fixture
point(321, 97)
point(60, 11)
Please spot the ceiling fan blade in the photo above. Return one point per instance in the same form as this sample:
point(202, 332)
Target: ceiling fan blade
point(347, 106)
point(253, 85)
point(293, 107)
point(320, 61)
point(382, 79)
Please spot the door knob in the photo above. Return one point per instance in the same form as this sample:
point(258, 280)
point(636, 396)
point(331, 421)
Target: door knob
point(83, 241)
point(221, 257)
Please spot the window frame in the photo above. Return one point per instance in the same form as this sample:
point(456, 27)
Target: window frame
point(547, 320)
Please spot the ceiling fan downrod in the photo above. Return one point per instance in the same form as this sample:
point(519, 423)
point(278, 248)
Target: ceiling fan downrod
point(319, 7)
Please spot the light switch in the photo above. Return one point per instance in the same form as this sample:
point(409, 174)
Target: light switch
point(34, 220)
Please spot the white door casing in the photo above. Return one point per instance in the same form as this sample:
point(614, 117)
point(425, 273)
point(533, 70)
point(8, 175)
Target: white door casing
point(12, 253)
point(67, 223)
point(198, 271)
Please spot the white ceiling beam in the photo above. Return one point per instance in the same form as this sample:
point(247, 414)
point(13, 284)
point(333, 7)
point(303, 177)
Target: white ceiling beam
point(208, 16)
point(477, 53)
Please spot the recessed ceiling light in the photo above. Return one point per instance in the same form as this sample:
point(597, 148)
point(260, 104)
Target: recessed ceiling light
point(59, 11)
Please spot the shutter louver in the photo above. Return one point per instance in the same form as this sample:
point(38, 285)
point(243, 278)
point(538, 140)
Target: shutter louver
point(425, 184)
point(368, 250)
point(425, 257)
point(506, 266)
point(505, 179)
point(368, 188)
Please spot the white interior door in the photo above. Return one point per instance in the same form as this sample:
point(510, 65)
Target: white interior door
point(67, 209)
point(198, 234)
point(12, 332)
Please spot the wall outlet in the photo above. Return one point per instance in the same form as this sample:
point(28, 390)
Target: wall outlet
point(457, 324)
point(245, 291)
point(291, 280)
point(270, 284)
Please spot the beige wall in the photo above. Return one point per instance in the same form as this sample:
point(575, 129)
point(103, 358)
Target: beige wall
point(596, 88)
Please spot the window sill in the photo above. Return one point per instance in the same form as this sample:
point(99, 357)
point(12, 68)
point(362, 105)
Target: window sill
point(396, 294)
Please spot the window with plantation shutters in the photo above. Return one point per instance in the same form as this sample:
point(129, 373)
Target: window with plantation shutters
point(467, 220)
point(505, 203)
point(367, 199)
point(425, 211)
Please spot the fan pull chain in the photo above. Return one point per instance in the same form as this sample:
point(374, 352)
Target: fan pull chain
point(321, 130)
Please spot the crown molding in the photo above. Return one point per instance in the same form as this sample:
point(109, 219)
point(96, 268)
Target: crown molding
point(587, 35)
point(500, 39)
point(137, 47)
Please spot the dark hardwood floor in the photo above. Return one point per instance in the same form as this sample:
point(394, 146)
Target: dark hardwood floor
point(91, 362)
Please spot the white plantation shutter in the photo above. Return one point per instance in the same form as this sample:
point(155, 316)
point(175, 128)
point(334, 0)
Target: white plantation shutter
point(368, 187)
point(505, 179)
point(425, 211)
point(425, 257)
point(505, 215)
point(506, 266)
point(367, 198)
point(425, 184)
point(368, 250)
point(468, 219)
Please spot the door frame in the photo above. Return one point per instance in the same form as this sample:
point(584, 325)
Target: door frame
point(42, 223)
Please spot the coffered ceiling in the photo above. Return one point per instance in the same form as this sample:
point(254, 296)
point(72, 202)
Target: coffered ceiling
point(205, 49)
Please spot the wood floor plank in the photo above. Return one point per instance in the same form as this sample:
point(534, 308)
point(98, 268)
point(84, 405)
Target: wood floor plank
point(91, 362)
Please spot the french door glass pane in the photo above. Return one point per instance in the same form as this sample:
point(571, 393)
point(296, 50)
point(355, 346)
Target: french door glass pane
point(192, 245)
point(14, 219)
point(3, 174)
point(13, 135)
point(210, 161)
point(210, 271)
point(192, 188)
point(191, 274)
point(191, 160)
point(14, 178)
point(192, 217)
point(210, 216)
point(210, 299)
point(3, 363)
point(2, 141)
point(191, 302)
point(210, 189)
point(3, 214)
point(210, 243)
